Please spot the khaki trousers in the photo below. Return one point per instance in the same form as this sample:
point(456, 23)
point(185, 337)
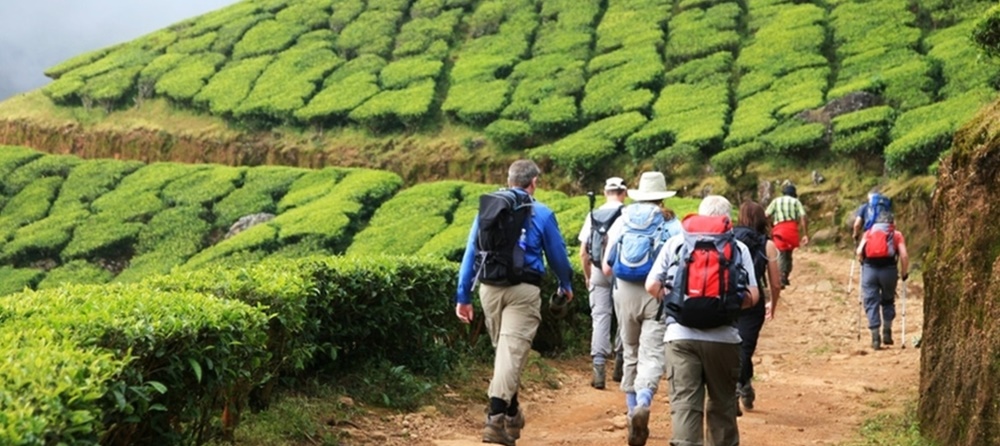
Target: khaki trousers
point(703, 378)
point(512, 315)
point(642, 336)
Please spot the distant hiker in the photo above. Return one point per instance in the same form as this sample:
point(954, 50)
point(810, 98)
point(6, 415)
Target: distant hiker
point(752, 230)
point(593, 239)
point(881, 248)
point(702, 341)
point(634, 241)
point(789, 217)
point(509, 286)
point(877, 209)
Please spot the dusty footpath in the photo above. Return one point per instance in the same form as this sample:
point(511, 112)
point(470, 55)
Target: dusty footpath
point(816, 381)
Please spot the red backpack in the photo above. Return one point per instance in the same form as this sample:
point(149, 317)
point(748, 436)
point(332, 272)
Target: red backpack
point(706, 279)
point(880, 241)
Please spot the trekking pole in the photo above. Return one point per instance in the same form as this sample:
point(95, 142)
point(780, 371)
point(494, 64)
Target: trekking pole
point(904, 314)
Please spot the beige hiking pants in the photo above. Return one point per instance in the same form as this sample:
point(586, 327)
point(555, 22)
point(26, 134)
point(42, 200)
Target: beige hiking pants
point(512, 315)
point(642, 336)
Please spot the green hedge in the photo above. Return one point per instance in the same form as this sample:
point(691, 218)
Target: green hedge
point(288, 82)
point(586, 149)
point(44, 166)
point(76, 272)
point(188, 77)
point(392, 108)
point(53, 388)
point(227, 89)
point(412, 217)
point(267, 37)
point(262, 187)
point(185, 356)
point(30, 204)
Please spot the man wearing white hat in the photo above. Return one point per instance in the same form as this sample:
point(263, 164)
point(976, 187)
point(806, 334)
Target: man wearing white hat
point(633, 243)
point(593, 239)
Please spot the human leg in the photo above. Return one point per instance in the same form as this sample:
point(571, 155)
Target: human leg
point(651, 354)
point(785, 266)
point(512, 316)
point(687, 393)
point(887, 277)
point(749, 324)
point(601, 310)
point(721, 368)
point(871, 296)
point(629, 310)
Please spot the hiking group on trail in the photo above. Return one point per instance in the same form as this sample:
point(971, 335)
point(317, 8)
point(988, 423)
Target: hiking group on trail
point(680, 298)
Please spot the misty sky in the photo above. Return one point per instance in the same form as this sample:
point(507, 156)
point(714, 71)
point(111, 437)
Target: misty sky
point(38, 34)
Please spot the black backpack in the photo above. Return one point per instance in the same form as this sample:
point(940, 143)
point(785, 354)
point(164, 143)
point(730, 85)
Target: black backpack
point(757, 244)
point(600, 222)
point(502, 218)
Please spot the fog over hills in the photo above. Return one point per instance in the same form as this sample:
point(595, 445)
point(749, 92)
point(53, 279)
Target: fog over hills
point(35, 35)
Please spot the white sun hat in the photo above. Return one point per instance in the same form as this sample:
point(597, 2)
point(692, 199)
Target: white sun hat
point(652, 187)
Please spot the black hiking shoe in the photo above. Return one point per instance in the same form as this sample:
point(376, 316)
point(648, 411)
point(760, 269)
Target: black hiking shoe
point(619, 367)
point(600, 377)
point(638, 426)
point(887, 336)
point(876, 340)
point(746, 395)
point(495, 431)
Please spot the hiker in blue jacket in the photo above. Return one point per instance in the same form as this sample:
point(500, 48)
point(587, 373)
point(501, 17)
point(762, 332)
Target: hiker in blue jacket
point(869, 209)
point(512, 313)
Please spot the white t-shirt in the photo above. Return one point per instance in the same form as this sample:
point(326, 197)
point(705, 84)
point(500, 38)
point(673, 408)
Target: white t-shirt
point(725, 334)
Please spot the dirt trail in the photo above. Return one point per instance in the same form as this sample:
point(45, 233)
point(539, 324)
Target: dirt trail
point(816, 382)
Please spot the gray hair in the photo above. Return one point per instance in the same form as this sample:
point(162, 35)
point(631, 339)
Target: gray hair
point(715, 205)
point(521, 173)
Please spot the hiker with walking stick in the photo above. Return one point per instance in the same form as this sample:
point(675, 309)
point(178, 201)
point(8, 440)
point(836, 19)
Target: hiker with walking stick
point(884, 260)
point(593, 238)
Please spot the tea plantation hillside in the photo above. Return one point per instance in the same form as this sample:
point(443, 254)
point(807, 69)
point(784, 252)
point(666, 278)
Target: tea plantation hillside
point(586, 86)
point(68, 220)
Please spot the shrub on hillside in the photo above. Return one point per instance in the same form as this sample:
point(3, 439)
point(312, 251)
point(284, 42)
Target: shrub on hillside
point(288, 82)
point(44, 166)
point(392, 108)
point(13, 280)
point(76, 272)
point(408, 220)
point(477, 103)
point(509, 133)
point(30, 204)
point(796, 139)
point(262, 187)
point(188, 77)
point(187, 356)
point(227, 88)
point(267, 37)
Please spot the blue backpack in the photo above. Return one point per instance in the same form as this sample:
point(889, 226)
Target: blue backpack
point(878, 210)
point(643, 235)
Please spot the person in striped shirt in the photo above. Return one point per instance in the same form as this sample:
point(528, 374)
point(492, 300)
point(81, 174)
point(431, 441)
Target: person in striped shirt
point(789, 217)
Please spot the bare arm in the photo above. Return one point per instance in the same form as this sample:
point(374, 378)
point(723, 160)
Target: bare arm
point(753, 298)
point(805, 229)
point(773, 279)
point(904, 259)
point(585, 264)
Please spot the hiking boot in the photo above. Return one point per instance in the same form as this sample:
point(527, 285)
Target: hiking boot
point(887, 336)
point(619, 367)
point(638, 426)
point(515, 424)
point(876, 340)
point(495, 432)
point(747, 395)
point(599, 377)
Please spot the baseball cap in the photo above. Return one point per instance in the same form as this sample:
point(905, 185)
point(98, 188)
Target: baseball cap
point(615, 183)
